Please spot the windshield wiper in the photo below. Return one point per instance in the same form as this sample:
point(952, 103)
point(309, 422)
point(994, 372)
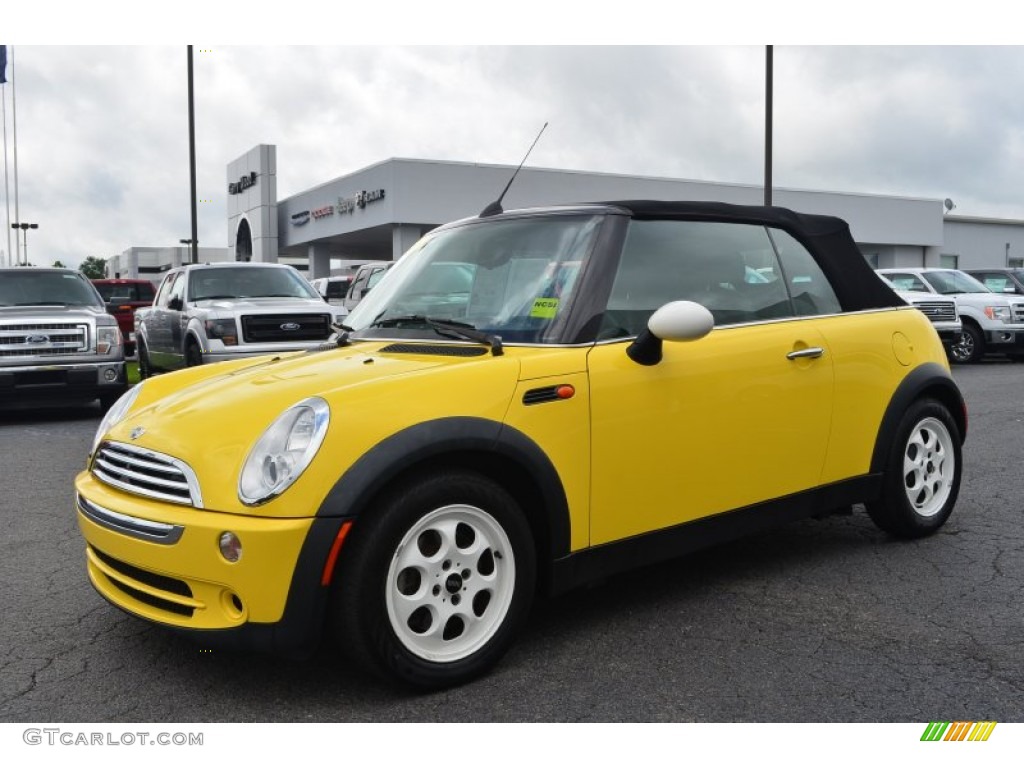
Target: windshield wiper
point(452, 329)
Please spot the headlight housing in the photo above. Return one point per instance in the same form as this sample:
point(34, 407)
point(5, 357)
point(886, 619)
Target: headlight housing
point(116, 412)
point(283, 451)
point(226, 330)
point(998, 313)
point(108, 338)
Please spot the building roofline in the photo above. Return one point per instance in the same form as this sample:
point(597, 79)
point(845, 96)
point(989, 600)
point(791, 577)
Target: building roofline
point(984, 220)
point(605, 174)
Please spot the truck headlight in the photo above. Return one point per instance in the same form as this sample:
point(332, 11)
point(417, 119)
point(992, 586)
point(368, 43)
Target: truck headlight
point(108, 338)
point(283, 451)
point(998, 313)
point(225, 330)
point(116, 412)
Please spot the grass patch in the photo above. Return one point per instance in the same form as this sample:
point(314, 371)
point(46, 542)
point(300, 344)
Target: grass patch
point(133, 374)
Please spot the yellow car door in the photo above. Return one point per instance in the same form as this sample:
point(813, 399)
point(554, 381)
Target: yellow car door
point(738, 417)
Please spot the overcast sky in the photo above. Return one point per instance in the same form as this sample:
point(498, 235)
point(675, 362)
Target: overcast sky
point(103, 132)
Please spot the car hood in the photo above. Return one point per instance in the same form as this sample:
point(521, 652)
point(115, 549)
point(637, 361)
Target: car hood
point(272, 304)
point(212, 415)
point(64, 313)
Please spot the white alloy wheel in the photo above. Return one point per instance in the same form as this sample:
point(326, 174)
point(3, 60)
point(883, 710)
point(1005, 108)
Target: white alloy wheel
point(928, 466)
point(450, 583)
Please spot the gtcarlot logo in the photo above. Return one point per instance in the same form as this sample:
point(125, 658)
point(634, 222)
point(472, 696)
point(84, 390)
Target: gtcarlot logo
point(53, 737)
point(958, 731)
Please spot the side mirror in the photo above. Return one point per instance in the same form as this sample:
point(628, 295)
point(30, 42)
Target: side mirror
point(675, 321)
point(175, 304)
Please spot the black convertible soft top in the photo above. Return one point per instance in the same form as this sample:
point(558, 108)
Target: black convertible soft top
point(827, 238)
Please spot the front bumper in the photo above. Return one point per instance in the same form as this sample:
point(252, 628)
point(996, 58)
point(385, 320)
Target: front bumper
point(62, 380)
point(217, 352)
point(1005, 341)
point(161, 562)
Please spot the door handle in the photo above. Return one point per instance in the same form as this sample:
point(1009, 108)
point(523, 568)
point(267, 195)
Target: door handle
point(812, 352)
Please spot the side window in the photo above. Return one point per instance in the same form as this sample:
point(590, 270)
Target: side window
point(907, 282)
point(729, 268)
point(810, 290)
point(375, 277)
point(177, 288)
point(164, 291)
point(359, 284)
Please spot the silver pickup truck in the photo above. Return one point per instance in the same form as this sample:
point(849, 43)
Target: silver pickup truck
point(211, 312)
point(57, 341)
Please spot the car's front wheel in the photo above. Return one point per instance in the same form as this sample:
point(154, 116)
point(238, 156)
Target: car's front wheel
point(436, 580)
point(145, 367)
point(922, 477)
point(970, 347)
point(193, 354)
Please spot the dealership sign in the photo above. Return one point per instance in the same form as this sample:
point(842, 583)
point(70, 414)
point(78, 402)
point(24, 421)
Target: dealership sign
point(319, 213)
point(298, 219)
point(243, 183)
point(361, 200)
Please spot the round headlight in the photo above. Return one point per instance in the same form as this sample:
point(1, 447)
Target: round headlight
point(283, 451)
point(115, 413)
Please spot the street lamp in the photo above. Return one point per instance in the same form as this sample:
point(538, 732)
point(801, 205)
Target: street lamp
point(193, 254)
point(25, 228)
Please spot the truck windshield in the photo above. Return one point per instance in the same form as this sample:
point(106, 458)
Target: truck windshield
point(952, 281)
point(28, 288)
point(514, 278)
point(242, 282)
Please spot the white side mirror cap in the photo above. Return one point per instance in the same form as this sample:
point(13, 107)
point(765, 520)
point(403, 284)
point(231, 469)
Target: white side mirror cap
point(681, 321)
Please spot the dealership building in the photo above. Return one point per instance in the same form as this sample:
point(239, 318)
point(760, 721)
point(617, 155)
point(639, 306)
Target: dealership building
point(378, 212)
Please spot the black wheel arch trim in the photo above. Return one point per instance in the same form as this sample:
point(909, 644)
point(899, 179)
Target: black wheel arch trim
point(928, 379)
point(430, 440)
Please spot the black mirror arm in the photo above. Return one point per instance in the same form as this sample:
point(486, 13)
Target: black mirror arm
point(645, 349)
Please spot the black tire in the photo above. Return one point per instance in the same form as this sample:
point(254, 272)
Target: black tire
point(971, 346)
point(145, 367)
point(193, 354)
point(444, 567)
point(922, 475)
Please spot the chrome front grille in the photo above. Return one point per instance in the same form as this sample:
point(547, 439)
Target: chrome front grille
point(1018, 312)
point(146, 473)
point(937, 311)
point(43, 339)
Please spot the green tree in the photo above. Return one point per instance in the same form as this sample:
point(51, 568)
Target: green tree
point(58, 263)
point(93, 267)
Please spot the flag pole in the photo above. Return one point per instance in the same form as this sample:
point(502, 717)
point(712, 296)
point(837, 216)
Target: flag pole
point(14, 126)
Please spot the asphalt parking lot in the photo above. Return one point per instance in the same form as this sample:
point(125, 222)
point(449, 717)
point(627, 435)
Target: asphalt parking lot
point(823, 620)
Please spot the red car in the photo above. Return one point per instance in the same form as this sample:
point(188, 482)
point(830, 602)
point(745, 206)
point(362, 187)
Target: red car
point(123, 297)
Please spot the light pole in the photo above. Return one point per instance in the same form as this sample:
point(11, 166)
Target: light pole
point(24, 227)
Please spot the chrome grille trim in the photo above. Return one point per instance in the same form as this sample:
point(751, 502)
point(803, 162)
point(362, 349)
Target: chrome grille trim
point(1017, 311)
point(43, 339)
point(941, 311)
point(148, 530)
point(146, 473)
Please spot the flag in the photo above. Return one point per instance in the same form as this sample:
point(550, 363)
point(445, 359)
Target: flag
point(3, 63)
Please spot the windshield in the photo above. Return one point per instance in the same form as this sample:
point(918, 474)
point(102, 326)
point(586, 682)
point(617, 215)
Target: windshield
point(513, 278)
point(950, 281)
point(29, 288)
point(248, 282)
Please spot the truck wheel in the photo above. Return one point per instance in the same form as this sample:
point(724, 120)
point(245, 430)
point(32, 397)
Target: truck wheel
point(922, 477)
point(145, 367)
point(193, 354)
point(971, 346)
point(434, 582)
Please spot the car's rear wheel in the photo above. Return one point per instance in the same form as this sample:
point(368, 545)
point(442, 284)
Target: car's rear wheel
point(922, 478)
point(435, 581)
point(970, 347)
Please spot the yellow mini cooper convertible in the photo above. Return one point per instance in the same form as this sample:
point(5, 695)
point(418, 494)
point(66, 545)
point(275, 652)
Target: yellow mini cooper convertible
point(528, 401)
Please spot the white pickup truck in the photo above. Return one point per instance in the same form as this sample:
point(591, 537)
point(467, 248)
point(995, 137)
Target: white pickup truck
point(991, 322)
point(57, 341)
point(211, 312)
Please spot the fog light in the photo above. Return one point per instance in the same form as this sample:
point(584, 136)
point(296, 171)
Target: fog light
point(110, 374)
point(230, 547)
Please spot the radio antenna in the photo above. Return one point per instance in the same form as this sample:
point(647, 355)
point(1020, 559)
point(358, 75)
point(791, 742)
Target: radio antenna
point(495, 208)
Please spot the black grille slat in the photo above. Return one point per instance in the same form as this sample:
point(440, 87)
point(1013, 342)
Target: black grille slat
point(450, 350)
point(540, 395)
point(257, 329)
point(150, 579)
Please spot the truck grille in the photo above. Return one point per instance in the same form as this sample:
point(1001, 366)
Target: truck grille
point(1018, 312)
point(43, 339)
point(258, 329)
point(937, 311)
point(146, 473)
